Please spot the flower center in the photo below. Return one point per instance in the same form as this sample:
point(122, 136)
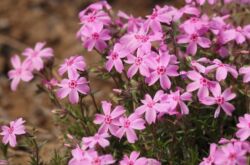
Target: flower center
point(95, 36)
point(154, 15)
point(232, 156)
point(142, 38)
point(96, 161)
point(91, 18)
point(176, 98)
point(204, 82)
point(18, 71)
point(114, 56)
point(127, 123)
point(34, 54)
point(108, 119)
point(161, 70)
point(69, 62)
point(138, 61)
point(10, 130)
point(151, 104)
point(72, 84)
point(194, 37)
point(220, 100)
point(130, 162)
point(97, 137)
point(194, 20)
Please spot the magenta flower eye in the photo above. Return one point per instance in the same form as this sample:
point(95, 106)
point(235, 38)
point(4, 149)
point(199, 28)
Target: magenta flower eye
point(220, 100)
point(114, 56)
point(126, 123)
point(108, 119)
point(161, 70)
point(72, 84)
point(194, 37)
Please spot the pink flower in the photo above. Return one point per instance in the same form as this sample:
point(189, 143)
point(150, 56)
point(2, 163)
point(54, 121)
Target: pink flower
point(140, 39)
point(231, 154)
point(245, 71)
point(9, 132)
point(21, 71)
point(98, 138)
point(221, 99)
point(201, 83)
point(222, 70)
point(176, 98)
point(132, 23)
point(49, 84)
point(94, 18)
point(194, 24)
point(110, 119)
point(71, 87)
point(79, 157)
point(37, 54)
point(161, 70)
point(197, 64)
point(72, 65)
point(244, 127)
point(140, 62)
point(193, 38)
point(95, 36)
point(151, 107)
point(210, 159)
point(114, 58)
point(101, 160)
point(128, 125)
point(133, 159)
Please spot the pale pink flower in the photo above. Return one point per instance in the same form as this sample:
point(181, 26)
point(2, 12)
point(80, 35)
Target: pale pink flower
point(133, 159)
point(109, 120)
point(114, 58)
point(9, 132)
point(243, 127)
point(245, 71)
point(140, 62)
point(49, 84)
point(140, 39)
point(98, 138)
point(198, 64)
point(177, 99)
point(94, 18)
point(212, 153)
point(193, 38)
point(128, 125)
point(133, 23)
point(101, 159)
point(37, 55)
point(21, 71)
point(221, 99)
point(201, 83)
point(162, 69)
point(222, 70)
point(231, 154)
point(72, 65)
point(80, 156)
point(72, 87)
point(151, 106)
point(95, 36)
point(194, 24)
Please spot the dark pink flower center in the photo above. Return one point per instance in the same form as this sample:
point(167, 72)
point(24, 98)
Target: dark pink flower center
point(18, 71)
point(151, 104)
point(194, 37)
point(126, 123)
point(96, 161)
point(154, 15)
point(34, 54)
point(161, 70)
point(70, 62)
point(221, 65)
point(108, 119)
point(11, 130)
point(114, 56)
point(72, 84)
point(204, 81)
point(138, 61)
point(232, 156)
point(176, 98)
point(130, 162)
point(97, 137)
point(220, 100)
point(91, 18)
point(142, 38)
point(95, 36)
point(194, 20)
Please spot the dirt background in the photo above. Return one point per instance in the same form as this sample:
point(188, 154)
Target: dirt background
point(22, 24)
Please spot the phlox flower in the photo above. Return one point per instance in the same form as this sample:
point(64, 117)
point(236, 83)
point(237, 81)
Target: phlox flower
point(95, 36)
point(109, 120)
point(72, 87)
point(151, 106)
point(201, 83)
point(101, 159)
point(114, 58)
point(9, 132)
point(212, 153)
point(243, 127)
point(72, 65)
point(139, 62)
point(140, 39)
point(94, 18)
point(198, 64)
point(132, 24)
point(202, 2)
point(79, 156)
point(21, 71)
point(193, 38)
point(37, 55)
point(221, 70)
point(162, 69)
point(194, 24)
point(133, 159)
point(176, 99)
point(221, 99)
point(128, 125)
point(98, 138)
point(231, 154)
point(245, 71)
point(49, 84)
